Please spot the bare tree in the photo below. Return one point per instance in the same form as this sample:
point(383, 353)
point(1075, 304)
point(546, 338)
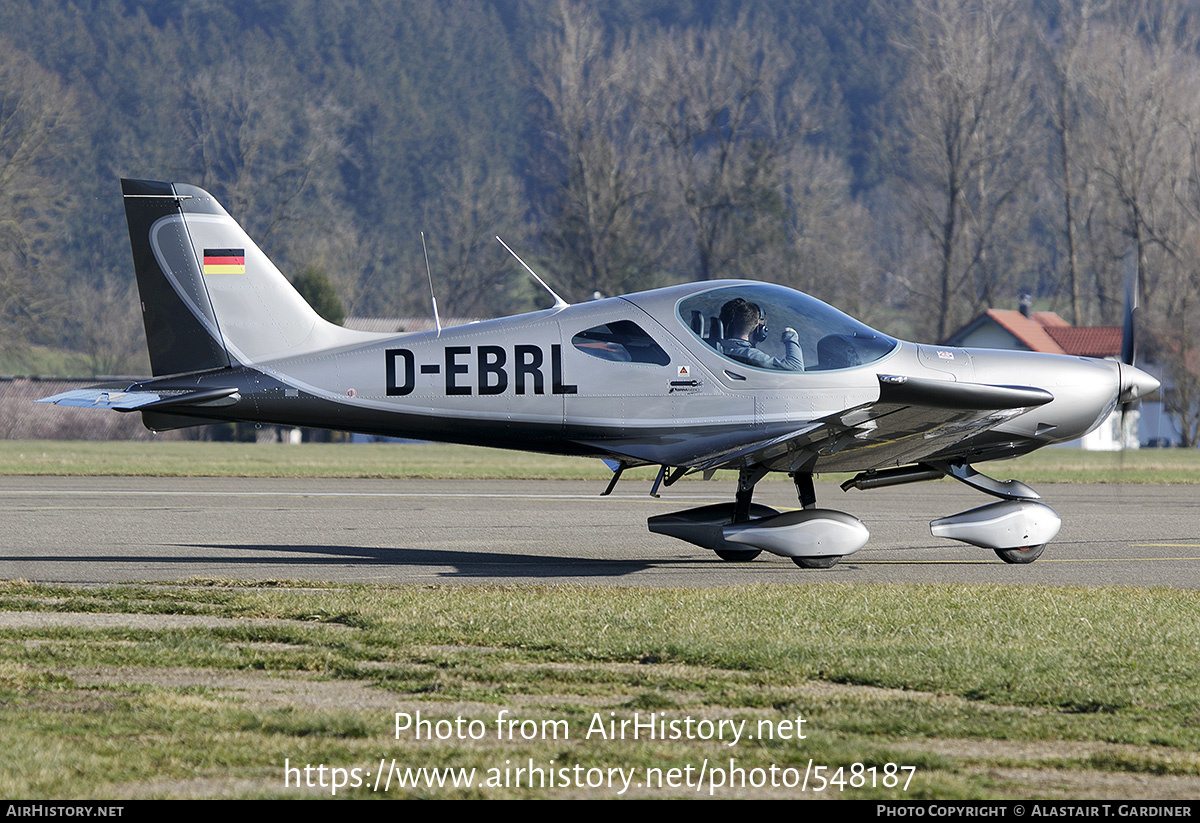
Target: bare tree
point(729, 112)
point(110, 327)
point(1062, 98)
point(473, 276)
point(351, 254)
point(1173, 337)
point(827, 247)
point(36, 113)
point(1136, 141)
point(259, 150)
point(599, 141)
point(966, 104)
point(1174, 331)
point(1137, 71)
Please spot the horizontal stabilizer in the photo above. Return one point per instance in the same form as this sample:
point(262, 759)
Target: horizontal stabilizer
point(119, 400)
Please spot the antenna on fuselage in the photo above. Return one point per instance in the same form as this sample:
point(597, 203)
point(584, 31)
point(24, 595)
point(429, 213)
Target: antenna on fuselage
point(559, 303)
point(436, 320)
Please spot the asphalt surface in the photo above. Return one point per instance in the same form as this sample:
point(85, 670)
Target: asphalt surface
point(92, 530)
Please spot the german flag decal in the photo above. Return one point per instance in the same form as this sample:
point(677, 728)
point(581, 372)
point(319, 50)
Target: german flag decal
point(224, 261)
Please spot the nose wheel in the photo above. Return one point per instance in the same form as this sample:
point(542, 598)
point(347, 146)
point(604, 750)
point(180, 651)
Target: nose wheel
point(1021, 556)
point(826, 562)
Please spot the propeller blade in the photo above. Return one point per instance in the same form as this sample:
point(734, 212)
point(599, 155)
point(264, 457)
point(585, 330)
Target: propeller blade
point(1128, 327)
point(1129, 333)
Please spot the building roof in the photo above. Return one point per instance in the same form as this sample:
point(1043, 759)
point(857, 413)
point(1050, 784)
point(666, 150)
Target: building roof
point(1088, 341)
point(1048, 318)
point(1045, 331)
point(1031, 333)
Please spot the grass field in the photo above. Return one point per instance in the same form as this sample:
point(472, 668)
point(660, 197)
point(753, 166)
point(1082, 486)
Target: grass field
point(432, 460)
point(955, 691)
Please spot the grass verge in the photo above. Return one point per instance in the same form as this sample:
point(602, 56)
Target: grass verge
point(434, 460)
point(1089, 693)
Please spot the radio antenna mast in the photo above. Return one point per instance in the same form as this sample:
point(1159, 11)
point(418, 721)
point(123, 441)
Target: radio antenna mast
point(559, 303)
point(436, 320)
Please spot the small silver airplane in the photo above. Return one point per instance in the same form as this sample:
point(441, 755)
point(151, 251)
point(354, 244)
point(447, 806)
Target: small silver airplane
point(687, 378)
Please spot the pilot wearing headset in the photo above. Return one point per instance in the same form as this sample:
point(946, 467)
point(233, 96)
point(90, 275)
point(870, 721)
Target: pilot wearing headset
point(745, 326)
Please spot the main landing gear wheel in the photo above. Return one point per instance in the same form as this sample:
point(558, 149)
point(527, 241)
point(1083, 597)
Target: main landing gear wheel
point(737, 556)
point(827, 561)
point(1021, 556)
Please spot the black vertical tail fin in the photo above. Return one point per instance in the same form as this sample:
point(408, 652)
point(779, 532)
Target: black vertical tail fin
point(182, 333)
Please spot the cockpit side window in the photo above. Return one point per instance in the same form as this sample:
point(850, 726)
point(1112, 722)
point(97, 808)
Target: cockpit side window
point(621, 341)
point(827, 339)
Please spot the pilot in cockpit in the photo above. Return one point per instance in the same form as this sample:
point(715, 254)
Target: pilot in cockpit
point(745, 327)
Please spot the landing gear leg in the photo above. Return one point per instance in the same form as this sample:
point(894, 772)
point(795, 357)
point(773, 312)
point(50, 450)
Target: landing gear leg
point(807, 493)
point(747, 478)
point(805, 490)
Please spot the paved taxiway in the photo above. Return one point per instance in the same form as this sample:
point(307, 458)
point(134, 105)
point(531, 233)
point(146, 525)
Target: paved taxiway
point(103, 530)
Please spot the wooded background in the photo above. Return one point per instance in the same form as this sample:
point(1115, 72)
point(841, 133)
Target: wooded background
point(913, 161)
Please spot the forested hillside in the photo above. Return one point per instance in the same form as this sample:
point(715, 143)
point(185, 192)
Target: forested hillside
point(912, 162)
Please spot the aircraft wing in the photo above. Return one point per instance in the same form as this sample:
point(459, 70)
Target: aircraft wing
point(913, 419)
